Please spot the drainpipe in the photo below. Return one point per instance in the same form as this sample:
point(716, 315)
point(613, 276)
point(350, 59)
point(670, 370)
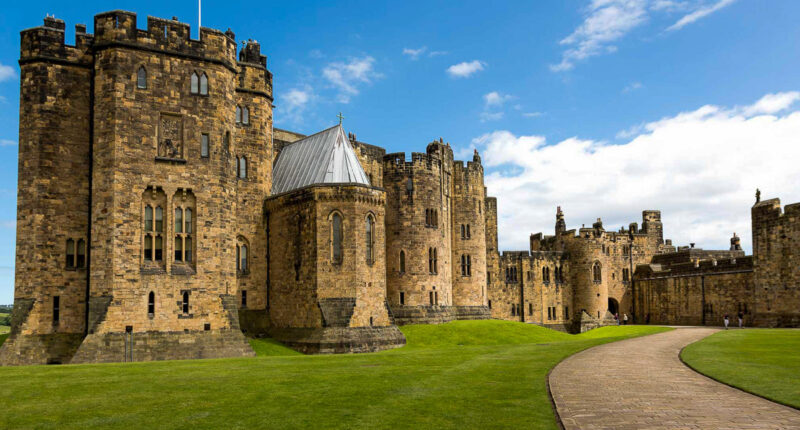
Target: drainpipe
point(269, 263)
point(89, 223)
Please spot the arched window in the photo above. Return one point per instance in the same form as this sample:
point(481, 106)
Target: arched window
point(469, 235)
point(597, 274)
point(178, 220)
point(546, 275)
point(153, 224)
point(463, 265)
point(204, 84)
point(195, 83)
point(245, 115)
point(185, 302)
point(402, 261)
point(435, 261)
point(141, 78)
point(238, 114)
point(430, 260)
point(70, 253)
point(370, 239)
point(81, 254)
point(184, 222)
point(463, 231)
point(243, 259)
point(469, 265)
point(336, 238)
point(151, 303)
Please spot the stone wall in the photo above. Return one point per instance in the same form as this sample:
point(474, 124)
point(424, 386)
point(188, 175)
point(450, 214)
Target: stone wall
point(776, 258)
point(469, 234)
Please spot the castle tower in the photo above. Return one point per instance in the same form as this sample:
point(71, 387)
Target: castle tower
point(469, 240)
point(160, 160)
point(52, 257)
point(328, 272)
point(418, 234)
point(651, 225)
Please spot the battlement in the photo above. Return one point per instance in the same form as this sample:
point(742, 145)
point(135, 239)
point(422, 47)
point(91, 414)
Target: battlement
point(771, 209)
point(119, 28)
point(48, 42)
point(708, 266)
point(396, 162)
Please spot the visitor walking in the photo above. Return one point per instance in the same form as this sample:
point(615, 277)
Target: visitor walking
point(741, 318)
point(616, 317)
point(625, 319)
point(726, 321)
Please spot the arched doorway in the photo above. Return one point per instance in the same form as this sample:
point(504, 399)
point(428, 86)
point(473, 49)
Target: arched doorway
point(613, 306)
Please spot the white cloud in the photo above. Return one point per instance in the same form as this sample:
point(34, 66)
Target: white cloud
point(633, 86)
point(347, 76)
point(414, 53)
point(496, 99)
point(465, 69)
point(7, 73)
point(7, 142)
point(531, 114)
point(295, 102)
point(605, 22)
point(436, 53)
point(316, 54)
point(491, 116)
point(8, 224)
point(700, 168)
point(699, 13)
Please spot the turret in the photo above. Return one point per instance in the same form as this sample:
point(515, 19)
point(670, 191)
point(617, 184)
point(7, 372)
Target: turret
point(736, 244)
point(561, 225)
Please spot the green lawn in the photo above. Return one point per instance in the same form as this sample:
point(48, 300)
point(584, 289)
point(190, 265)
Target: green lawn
point(763, 361)
point(4, 329)
point(465, 374)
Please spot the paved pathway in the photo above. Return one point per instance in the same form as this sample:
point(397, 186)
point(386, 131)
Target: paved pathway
point(641, 384)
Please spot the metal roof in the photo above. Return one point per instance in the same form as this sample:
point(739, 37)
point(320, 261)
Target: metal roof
point(322, 158)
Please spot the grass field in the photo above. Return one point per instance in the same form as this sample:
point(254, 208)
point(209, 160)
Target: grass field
point(763, 361)
point(465, 374)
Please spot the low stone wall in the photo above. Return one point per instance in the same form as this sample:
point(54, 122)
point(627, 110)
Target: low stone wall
point(149, 346)
point(422, 314)
point(254, 322)
point(472, 312)
point(338, 340)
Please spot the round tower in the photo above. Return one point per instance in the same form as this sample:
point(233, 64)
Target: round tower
point(418, 235)
point(469, 240)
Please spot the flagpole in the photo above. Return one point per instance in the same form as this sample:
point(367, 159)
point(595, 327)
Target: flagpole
point(199, 16)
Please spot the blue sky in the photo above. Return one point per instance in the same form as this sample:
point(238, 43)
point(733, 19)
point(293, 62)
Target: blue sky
point(605, 107)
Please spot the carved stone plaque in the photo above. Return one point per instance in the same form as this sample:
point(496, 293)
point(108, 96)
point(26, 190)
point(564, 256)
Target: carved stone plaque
point(170, 136)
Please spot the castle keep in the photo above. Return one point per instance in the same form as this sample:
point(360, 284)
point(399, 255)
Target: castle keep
point(161, 216)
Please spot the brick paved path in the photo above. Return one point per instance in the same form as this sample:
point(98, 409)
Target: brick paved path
point(641, 384)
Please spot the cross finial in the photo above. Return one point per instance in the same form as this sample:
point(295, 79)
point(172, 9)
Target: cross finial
point(340, 118)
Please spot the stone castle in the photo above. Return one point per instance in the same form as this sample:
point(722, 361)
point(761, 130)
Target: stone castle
point(161, 216)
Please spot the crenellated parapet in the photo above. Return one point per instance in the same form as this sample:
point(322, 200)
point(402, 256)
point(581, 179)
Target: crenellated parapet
point(46, 43)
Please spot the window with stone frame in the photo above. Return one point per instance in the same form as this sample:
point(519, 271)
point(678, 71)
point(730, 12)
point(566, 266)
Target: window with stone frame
point(141, 78)
point(70, 253)
point(56, 309)
point(370, 239)
point(597, 272)
point(241, 167)
point(194, 87)
point(205, 145)
point(402, 298)
point(185, 303)
point(184, 227)
point(242, 256)
point(244, 298)
point(337, 227)
point(402, 261)
point(153, 232)
point(80, 254)
point(203, 84)
point(469, 235)
point(546, 275)
point(625, 275)
point(245, 115)
point(151, 304)
point(238, 114)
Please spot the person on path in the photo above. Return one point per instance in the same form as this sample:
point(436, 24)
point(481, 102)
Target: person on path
point(625, 319)
point(726, 321)
point(616, 317)
point(741, 319)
